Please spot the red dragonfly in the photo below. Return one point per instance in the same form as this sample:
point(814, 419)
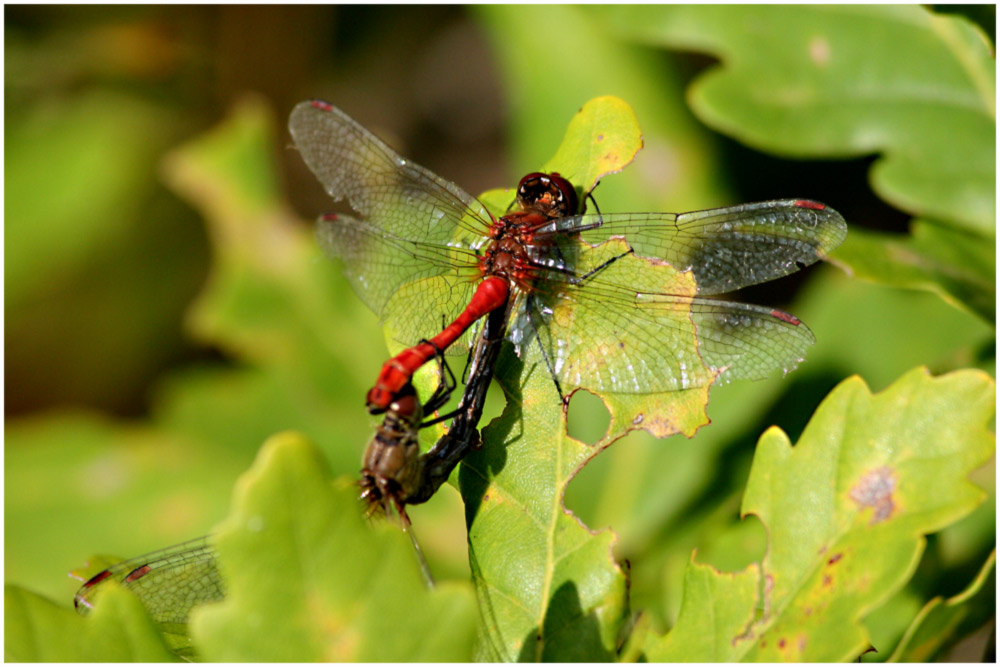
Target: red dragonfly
point(423, 249)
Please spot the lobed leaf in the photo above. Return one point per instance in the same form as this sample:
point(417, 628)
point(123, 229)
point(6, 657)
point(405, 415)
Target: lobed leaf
point(602, 138)
point(846, 512)
point(548, 588)
point(847, 80)
point(118, 630)
point(942, 623)
point(956, 266)
point(308, 579)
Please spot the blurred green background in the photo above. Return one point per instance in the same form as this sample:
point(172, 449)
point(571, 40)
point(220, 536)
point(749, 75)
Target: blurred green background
point(152, 343)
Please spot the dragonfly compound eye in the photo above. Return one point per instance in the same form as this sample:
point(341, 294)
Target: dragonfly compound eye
point(549, 194)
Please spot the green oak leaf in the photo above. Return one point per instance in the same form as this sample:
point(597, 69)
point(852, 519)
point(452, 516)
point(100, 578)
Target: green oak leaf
point(848, 80)
point(942, 623)
point(548, 587)
point(118, 630)
point(846, 511)
point(309, 579)
point(953, 264)
point(602, 138)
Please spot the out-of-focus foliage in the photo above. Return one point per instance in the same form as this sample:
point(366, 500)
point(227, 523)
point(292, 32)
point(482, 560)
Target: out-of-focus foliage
point(39, 630)
point(339, 597)
point(103, 258)
point(943, 623)
point(846, 80)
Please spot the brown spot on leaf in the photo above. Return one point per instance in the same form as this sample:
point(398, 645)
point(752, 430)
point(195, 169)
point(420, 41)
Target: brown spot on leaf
point(600, 137)
point(833, 559)
point(875, 489)
point(819, 51)
point(802, 643)
point(781, 643)
point(827, 580)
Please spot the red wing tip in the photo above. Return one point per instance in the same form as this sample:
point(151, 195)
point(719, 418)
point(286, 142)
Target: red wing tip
point(321, 105)
point(137, 573)
point(806, 203)
point(786, 317)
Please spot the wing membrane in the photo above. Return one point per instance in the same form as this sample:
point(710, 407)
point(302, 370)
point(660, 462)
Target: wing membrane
point(726, 248)
point(654, 335)
point(387, 191)
point(411, 285)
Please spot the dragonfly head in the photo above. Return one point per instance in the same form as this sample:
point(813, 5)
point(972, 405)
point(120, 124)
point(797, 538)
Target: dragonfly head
point(548, 194)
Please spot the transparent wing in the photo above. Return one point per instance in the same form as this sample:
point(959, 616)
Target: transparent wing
point(414, 287)
point(653, 335)
point(387, 191)
point(168, 582)
point(726, 248)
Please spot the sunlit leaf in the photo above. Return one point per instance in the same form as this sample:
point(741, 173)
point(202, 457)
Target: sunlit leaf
point(37, 630)
point(603, 137)
point(309, 579)
point(549, 588)
point(592, 148)
point(846, 512)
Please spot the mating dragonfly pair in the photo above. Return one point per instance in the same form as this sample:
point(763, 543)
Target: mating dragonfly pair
point(423, 250)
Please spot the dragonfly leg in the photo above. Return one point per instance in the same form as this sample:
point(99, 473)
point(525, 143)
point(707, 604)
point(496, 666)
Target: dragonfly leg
point(530, 309)
point(597, 269)
point(445, 386)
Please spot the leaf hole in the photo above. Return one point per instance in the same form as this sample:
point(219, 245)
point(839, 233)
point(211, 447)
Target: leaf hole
point(588, 419)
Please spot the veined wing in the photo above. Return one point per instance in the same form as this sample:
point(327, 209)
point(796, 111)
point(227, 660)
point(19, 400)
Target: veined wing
point(726, 248)
point(389, 192)
point(627, 330)
point(414, 287)
point(168, 582)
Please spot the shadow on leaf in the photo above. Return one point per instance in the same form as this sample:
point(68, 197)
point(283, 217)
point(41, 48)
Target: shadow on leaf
point(568, 635)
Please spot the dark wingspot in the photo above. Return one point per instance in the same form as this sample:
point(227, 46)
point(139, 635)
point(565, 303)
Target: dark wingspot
point(875, 489)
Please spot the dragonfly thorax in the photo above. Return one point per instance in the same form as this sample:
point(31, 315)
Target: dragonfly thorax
point(541, 198)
